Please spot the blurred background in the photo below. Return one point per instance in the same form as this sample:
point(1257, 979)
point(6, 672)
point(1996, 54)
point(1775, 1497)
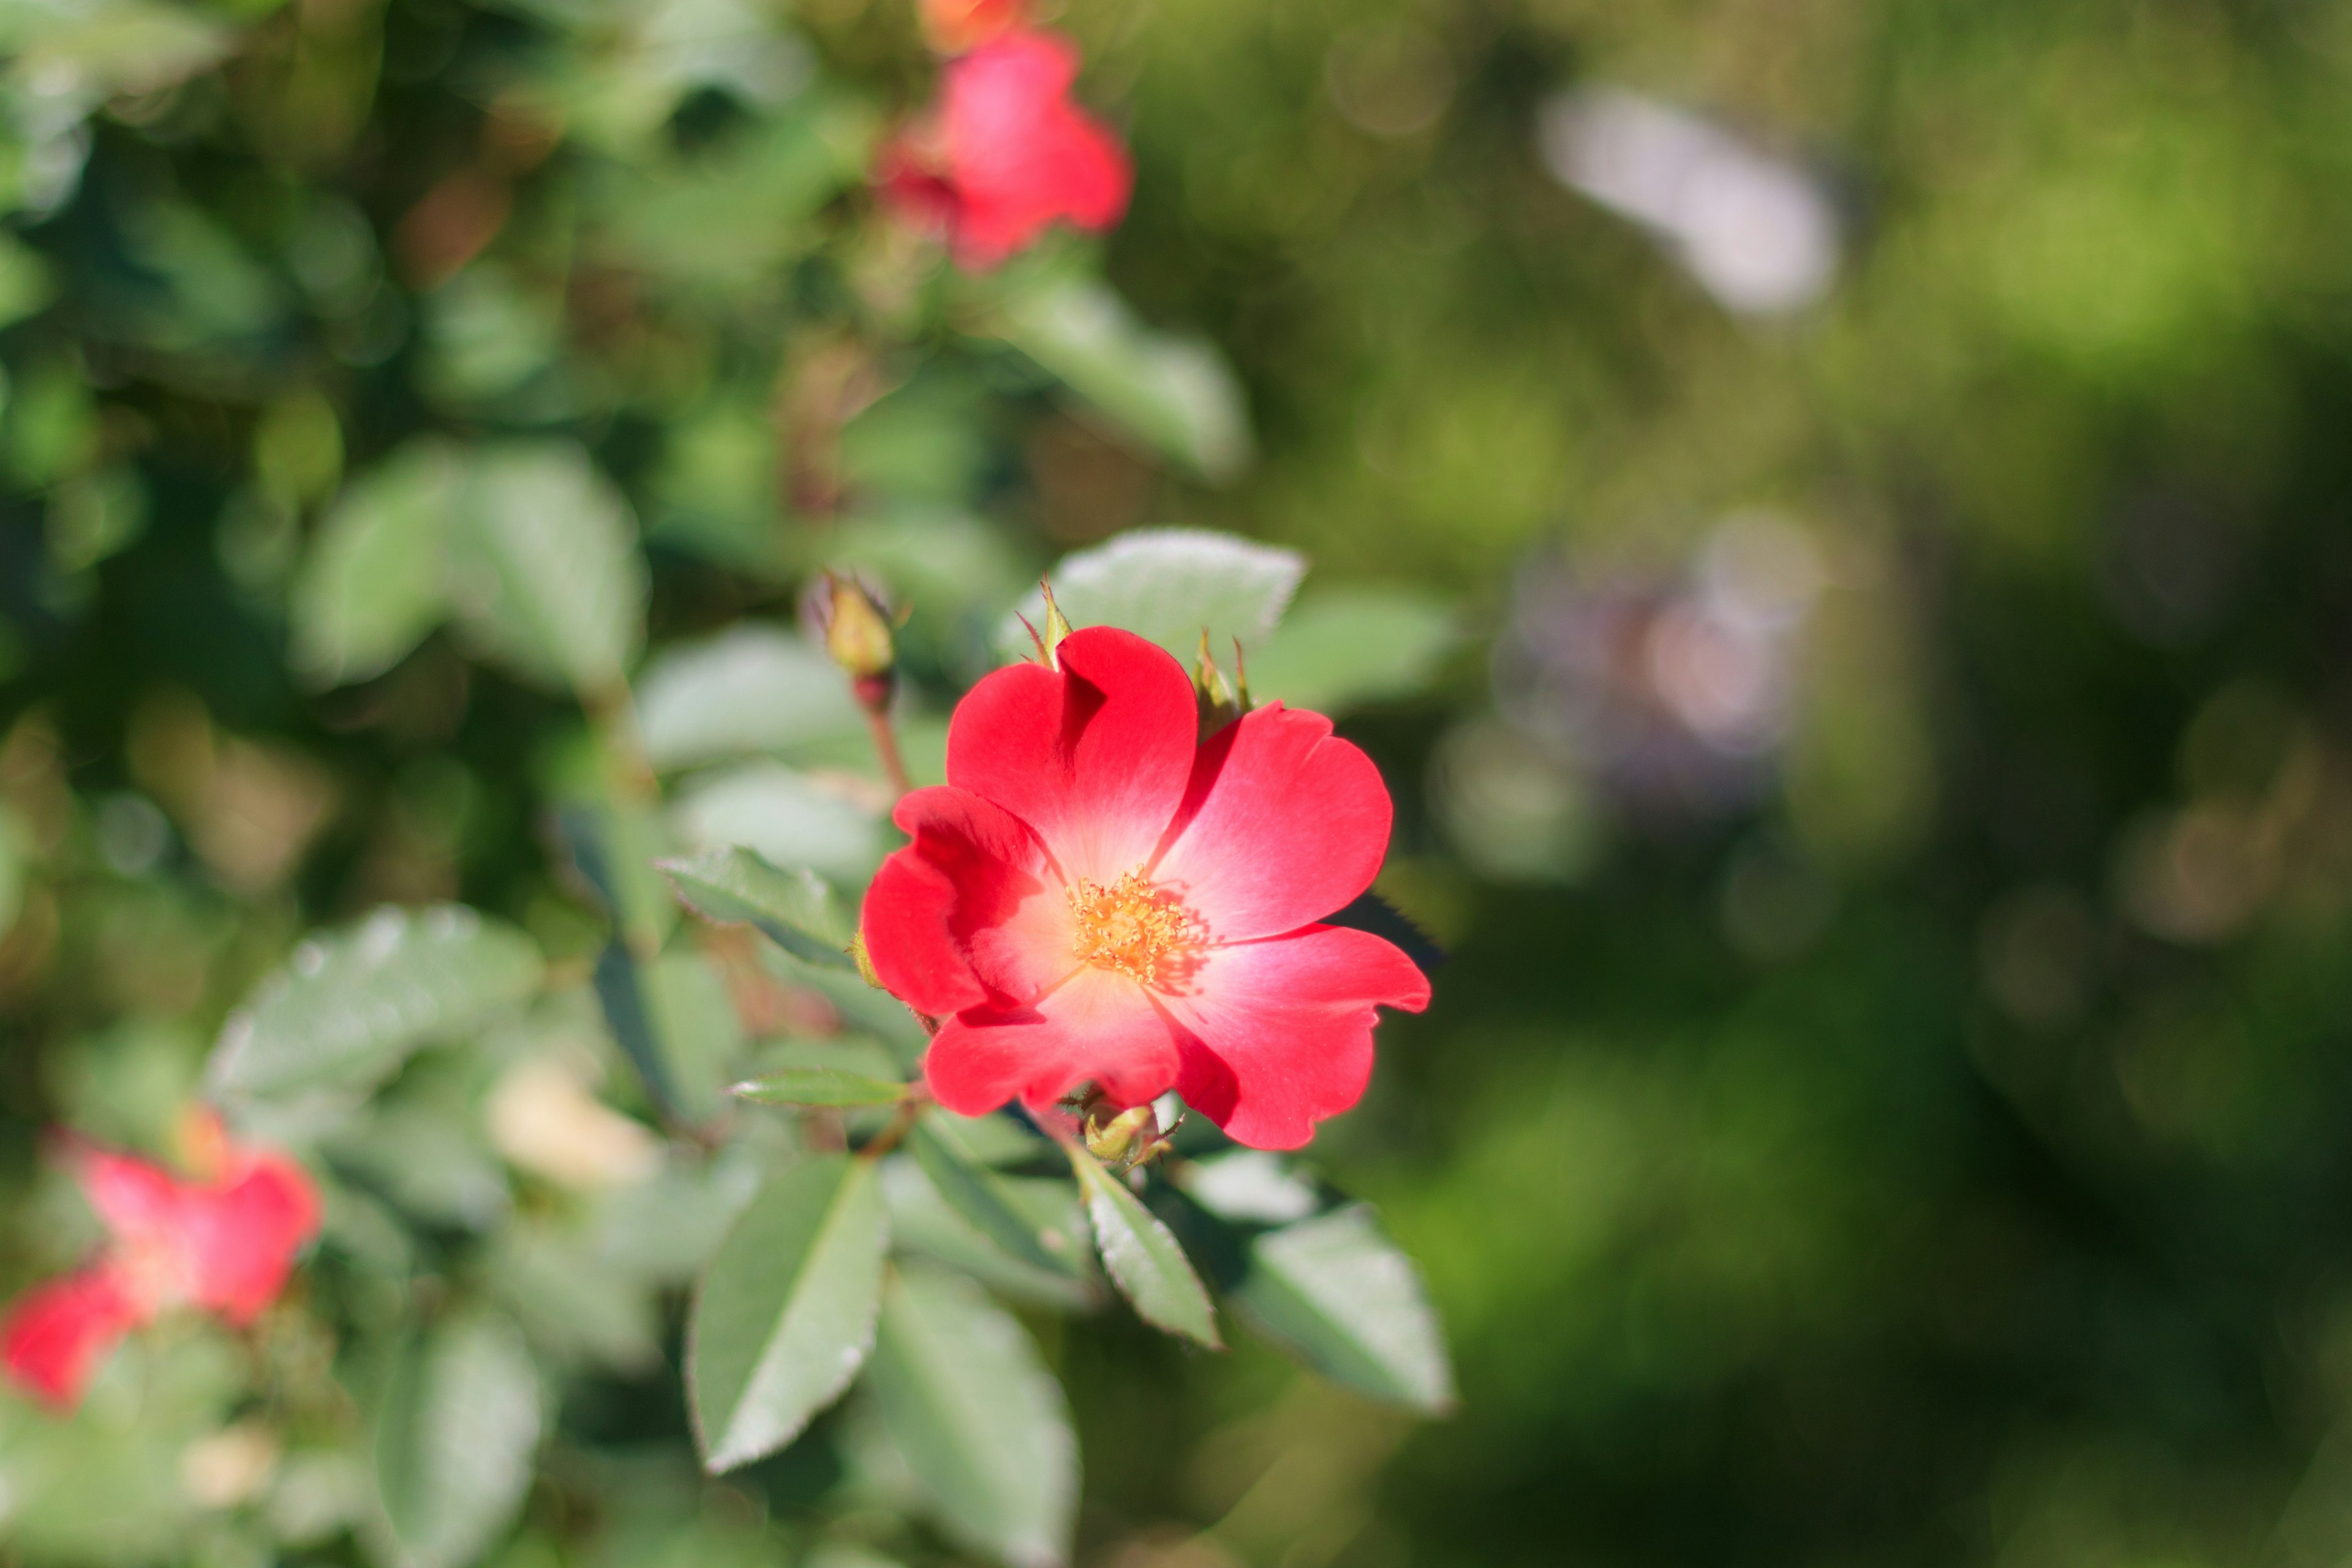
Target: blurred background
point(1860, 492)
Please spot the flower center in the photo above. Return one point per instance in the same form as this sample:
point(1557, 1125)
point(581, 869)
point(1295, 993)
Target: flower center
point(1130, 926)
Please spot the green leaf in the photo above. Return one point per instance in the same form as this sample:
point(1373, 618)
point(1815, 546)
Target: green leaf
point(28, 283)
point(371, 585)
point(545, 574)
point(980, 1422)
point(751, 691)
point(786, 816)
point(673, 1019)
point(819, 1085)
point(454, 1438)
point(980, 1195)
point(348, 1009)
point(1142, 1256)
point(785, 1316)
point(798, 910)
point(1339, 650)
point(15, 850)
point(1167, 585)
point(921, 1222)
point(1177, 394)
point(1337, 1293)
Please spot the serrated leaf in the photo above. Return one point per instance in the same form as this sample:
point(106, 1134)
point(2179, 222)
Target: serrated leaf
point(797, 910)
point(454, 1438)
point(980, 1194)
point(1142, 1256)
point(1167, 585)
point(371, 585)
point(820, 1087)
point(546, 577)
point(1339, 650)
point(1338, 1294)
point(751, 691)
point(348, 1007)
point(1177, 394)
point(979, 1420)
point(785, 1316)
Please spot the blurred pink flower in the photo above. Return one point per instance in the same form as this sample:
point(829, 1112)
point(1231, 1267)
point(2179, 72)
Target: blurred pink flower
point(1004, 154)
point(224, 1242)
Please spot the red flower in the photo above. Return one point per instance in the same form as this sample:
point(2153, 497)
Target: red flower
point(224, 1243)
point(1094, 896)
point(955, 25)
point(1006, 154)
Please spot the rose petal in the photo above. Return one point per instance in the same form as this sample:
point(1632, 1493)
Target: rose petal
point(242, 1236)
point(1098, 1026)
point(1021, 157)
point(970, 913)
point(1282, 823)
point(56, 1334)
point(1094, 756)
point(1277, 1035)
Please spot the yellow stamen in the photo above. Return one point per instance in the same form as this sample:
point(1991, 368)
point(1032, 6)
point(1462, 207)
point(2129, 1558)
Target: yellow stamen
point(1130, 926)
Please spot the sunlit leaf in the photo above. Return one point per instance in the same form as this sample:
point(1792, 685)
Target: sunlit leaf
point(1339, 650)
point(547, 579)
point(1177, 396)
point(373, 586)
point(982, 1197)
point(1169, 584)
point(819, 1086)
point(979, 1420)
point(1335, 1292)
point(787, 817)
point(752, 691)
point(785, 1316)
point(1143, 1259)
point(797, 910)
point(348, 1007)
point(456, 1436)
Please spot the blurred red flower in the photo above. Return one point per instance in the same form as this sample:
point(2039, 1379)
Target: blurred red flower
point(224, 1242)
point(1096, 894)
point(1004, 154)
point(955, 25)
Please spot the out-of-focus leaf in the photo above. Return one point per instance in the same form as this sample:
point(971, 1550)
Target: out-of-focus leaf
point(1337, 1293)
point(347, 1007)
point(980, 1195)
point(786, 817)
point(571, 1301)
point(25, 281)
point(785, 1316)
point(672, 1017)
point(1339, 650)
point(428, 1159)
point(1167, 584)
point(921, 1222)
point(15, 847)
point(1143, 1259)
point(454, 1438)
point(979, 1420)
point(797, 910)
point(819, 1085)
point(547, 578)
point(371, 585)
point(1249, 1186)
point(1176, 394)
point(92, 52)
point(751, 691)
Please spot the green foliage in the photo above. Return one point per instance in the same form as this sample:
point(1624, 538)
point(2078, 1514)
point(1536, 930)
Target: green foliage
point(814, 1087)
point(797, 910)
point(980, 1421)
point(455, 1433)
point(1170, 585)
point(348, 1007)
point(785, 1316)
point(1143, 1258)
